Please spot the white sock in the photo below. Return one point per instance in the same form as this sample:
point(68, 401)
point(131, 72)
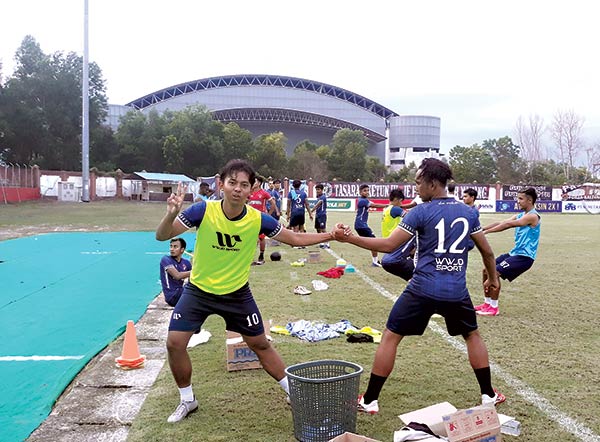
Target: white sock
point(284, 384)
point(494, 303)
point(374, 260)
point(488, 300)
point(186, 394)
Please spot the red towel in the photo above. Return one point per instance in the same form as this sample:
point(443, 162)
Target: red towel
point(334, 272)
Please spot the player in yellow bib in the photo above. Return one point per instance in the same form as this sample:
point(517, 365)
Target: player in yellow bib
point(225, 244)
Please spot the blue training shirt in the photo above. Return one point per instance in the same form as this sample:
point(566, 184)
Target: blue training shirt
point(442, 228)
point(527, 238)
point(298, 199)
point(322, 209)
point(362, 213)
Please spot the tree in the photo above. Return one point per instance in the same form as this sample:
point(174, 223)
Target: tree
point(566, 131)
point(269, 157)
point(510, 168)
point(237, 142)
point(40, 108)
point(529, 138)
point(348, 158)
point(306, 163)
point(470, 164)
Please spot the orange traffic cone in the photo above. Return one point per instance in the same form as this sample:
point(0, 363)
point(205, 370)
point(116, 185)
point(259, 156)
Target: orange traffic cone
point(130, 357)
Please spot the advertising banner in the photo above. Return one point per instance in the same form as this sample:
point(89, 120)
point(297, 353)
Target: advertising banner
point(581, 206)
point(336, 204)
point(540, 206)
point(338, 189)
point(588, 191)
point(509, 192)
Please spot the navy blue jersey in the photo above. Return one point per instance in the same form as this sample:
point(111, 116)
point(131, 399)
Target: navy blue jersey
point(322, 209)
point(362, 213)
point(442, 228)
point(298, 199)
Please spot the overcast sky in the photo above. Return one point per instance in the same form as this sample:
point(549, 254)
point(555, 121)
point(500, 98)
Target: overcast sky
point(478, 65)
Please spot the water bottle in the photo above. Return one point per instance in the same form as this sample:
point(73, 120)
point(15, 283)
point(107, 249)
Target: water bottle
point(512, 428)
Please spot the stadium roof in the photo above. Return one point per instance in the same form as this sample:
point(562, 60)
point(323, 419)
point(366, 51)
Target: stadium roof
point(261, 80)
point(172, 177)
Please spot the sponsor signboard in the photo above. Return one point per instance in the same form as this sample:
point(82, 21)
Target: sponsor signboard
point(540, 206)
point(578, 206)
point(335, 204)
point(339, 189)
point(509, 192)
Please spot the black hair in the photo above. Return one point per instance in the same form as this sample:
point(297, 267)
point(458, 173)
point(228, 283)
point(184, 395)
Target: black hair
point(531, 193)
point(396, 194)
point(277, 181)
point(181, 241)
point(319, 186)
point(203, 184)
point(433, 169)
point(363, 186)
point(451, 187)
point(471, 192)
point(234, 166)
point(296, 184)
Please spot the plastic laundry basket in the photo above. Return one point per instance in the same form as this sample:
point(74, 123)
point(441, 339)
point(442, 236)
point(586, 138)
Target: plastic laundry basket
point(323, 396)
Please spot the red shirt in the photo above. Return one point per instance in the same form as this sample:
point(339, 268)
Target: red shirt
point(259, 199)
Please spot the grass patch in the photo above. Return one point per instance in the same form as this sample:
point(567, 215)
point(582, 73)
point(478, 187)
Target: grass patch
point(546, 335)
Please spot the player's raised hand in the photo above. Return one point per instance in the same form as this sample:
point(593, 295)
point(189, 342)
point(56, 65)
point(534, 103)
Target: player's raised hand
point(175, 200)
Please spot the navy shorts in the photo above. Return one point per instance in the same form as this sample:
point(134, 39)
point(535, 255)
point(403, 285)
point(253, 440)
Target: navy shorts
point(238, 309)
point(411, 313)
point(297, 220)
point(365, 231)
point(321, 222)
point(509, 267)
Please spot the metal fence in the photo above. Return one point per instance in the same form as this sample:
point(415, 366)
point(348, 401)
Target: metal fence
point(16, 175)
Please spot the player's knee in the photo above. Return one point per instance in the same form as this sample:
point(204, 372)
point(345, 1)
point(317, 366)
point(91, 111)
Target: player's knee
point(176, 343)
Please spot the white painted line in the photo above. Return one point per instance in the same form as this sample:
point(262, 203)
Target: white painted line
point(158, 253)
point(38, 358)
point(563, 420)
point(97, 252)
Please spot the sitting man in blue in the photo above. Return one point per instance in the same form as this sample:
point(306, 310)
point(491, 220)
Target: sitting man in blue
point(174, 269)
point(520, 259)
point(442, 227)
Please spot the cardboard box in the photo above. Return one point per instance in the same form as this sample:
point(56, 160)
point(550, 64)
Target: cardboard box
point(351, 437)
point(239, 355)
point(477, 424)
point(431, 416)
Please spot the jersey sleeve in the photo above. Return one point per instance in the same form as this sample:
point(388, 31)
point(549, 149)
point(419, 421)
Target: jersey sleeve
point(412, 220)
point(165, 262)
point(269, 225)
point(193, 215)
point(474, 222)
point(396, 212)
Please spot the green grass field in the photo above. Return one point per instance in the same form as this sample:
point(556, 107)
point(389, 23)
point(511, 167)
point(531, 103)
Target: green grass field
point(545, 343)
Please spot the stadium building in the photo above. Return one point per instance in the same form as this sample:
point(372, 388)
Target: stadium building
point(301, 109)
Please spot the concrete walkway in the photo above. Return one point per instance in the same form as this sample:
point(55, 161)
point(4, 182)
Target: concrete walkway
point(103, 400)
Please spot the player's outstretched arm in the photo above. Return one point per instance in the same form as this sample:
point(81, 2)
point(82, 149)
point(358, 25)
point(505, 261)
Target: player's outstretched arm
point(302, 239)
point(169, 227)
point(386, 245)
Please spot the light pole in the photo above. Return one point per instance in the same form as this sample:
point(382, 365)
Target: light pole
point(85, 127)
